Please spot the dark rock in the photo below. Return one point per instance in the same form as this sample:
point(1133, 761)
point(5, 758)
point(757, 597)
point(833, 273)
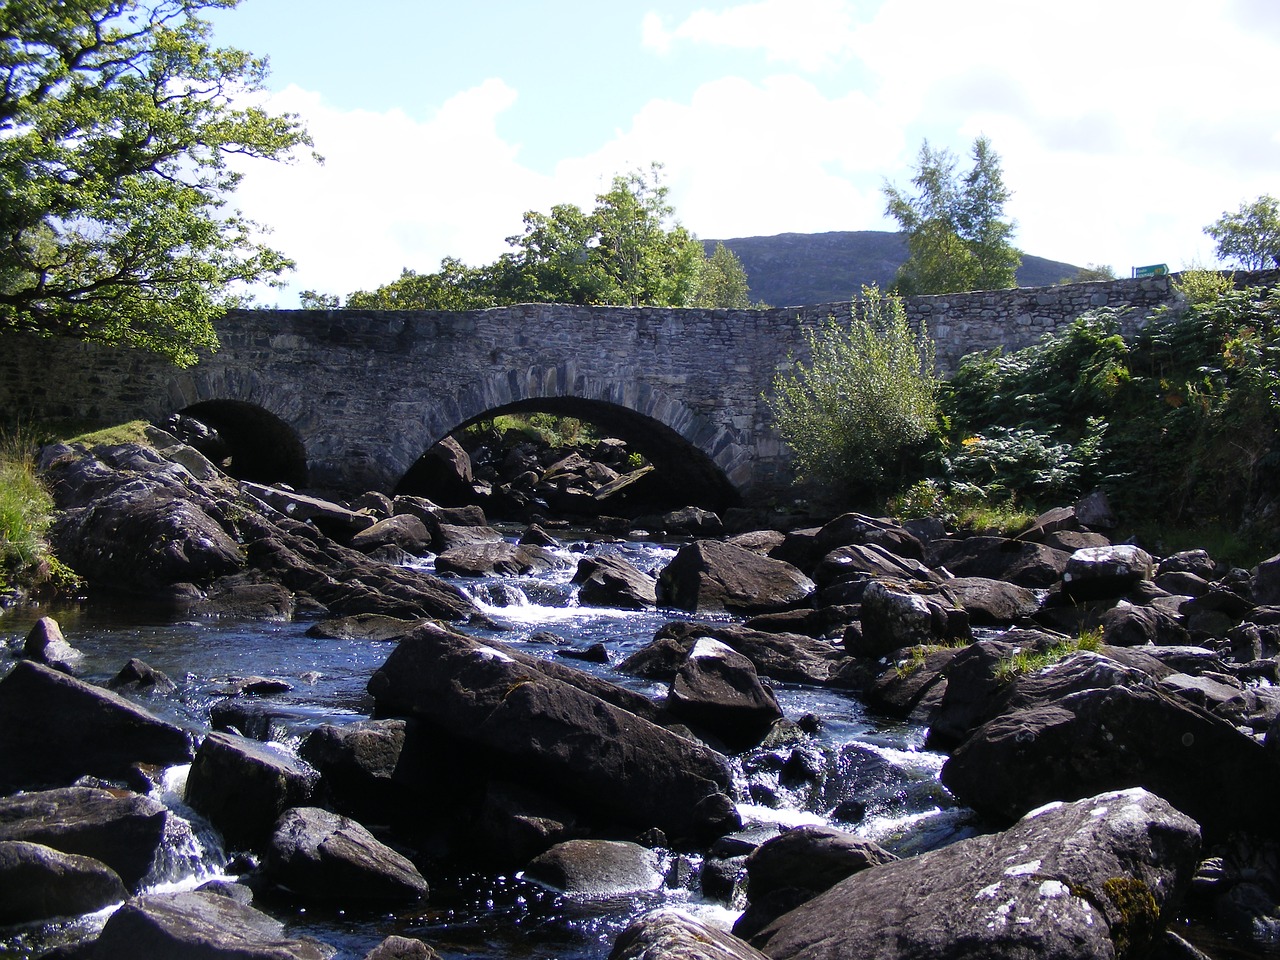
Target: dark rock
point(401, 948)
point(596, 653)
point(993, 602)
point(996, 558)
point(246, 595)
point(243, 787)
point(823, 623)
point(125, 831)
point(900, 689)
point(497, 558)
point(46, 645)
point(676, 936)
point(535, 536)
point(199, 924)
point(1094, 511)
point(856, 528)
point(567, 733)
point(712, 577)
point(688, 521)
point(1096, 878)
point(1265, 583)
point(780, 656)
point(517, 823)
point(1252, 641)
point(1196, 562)
point(763, 542)
point(598, 869)
point(869, 562)
point(320, 855)
point(1129, 626)
point(445, 472)
point(403, 530)
point(1099, 572)
point(717, 689)
point(899, 613)
point(38, 883)
point(796, 866)
point(1086, 725)
point(375, 504)
point(142, 677)
point(362, 626)
point(55, 729)
point(610, 581)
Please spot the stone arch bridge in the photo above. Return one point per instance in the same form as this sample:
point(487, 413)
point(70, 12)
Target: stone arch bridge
point(349, 400)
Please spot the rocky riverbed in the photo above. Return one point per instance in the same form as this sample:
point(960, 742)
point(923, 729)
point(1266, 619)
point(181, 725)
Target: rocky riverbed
point(1108, 717)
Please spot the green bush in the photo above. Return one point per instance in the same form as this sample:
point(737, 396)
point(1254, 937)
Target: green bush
point(26, 510)
point(862, 406)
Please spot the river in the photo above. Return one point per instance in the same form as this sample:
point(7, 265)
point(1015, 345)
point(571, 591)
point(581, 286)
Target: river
point(864, 774)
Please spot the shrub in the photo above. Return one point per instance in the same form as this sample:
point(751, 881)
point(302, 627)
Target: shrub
point(864, 402)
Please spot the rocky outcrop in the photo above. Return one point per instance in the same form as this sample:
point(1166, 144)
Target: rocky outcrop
point(1095, 878)
point(39, 883)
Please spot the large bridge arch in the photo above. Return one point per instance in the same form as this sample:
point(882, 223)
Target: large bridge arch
point(692, 452)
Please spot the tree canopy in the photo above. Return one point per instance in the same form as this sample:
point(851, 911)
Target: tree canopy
point(118, 119)
point(628, 250)
point(1249, 237)
point(957, 237)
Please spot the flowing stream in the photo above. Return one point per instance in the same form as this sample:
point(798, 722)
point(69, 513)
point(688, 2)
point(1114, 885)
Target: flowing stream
point(866, 775)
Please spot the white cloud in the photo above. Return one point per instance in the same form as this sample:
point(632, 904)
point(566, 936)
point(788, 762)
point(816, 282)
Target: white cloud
point(809, 34)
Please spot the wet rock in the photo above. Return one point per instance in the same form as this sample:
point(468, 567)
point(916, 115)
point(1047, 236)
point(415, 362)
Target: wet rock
point(1099, 572)
point(972, 684)
point(562, 730)
point(246, 595)
point(713, 577)
point(123, 830)
point(38, 883)
point(687, 521)
point(46, 645)
point(898, 613)
point(320, 855)
point(1096, 878)
point(610, 581)
point(779, 656)
point(717, 689)
point(597, 869)
point(199, 924)
point(140, 676)
point(917, 675)
point(55, 729)
point(996, 558)
point(401, 948)
point(404, 531)
point(498, 558)
point(517, 823)
point(362, 626)
point(675, 936)
point(535, 536)
point(827, 622)
point(1087, 724)
point(796, 866)
point(243, 787)
point(869, 562)
point(1127, 625)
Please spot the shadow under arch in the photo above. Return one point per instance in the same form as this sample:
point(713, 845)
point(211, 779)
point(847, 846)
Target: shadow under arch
point(257, 445)
point(694, 456)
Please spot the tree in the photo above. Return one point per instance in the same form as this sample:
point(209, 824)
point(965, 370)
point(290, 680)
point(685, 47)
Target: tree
point(627, 251)
point(723, 281)
point(117, 122)
point(1251, 235)
point(957, 238)
point(863, 401)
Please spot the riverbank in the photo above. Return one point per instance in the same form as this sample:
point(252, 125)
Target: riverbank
point(659, 756)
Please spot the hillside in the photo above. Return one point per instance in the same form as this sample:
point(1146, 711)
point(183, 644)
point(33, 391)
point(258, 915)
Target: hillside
point(799, 268)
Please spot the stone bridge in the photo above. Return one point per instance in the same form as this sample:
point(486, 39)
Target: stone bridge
point(349, 400)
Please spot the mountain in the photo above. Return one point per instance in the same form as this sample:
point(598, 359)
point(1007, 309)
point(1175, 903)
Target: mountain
point(801, 268)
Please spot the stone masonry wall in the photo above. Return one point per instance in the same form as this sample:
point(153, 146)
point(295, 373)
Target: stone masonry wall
point(368, 392)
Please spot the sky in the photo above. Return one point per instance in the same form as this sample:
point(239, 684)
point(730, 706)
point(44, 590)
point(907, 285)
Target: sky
point(1124, 127)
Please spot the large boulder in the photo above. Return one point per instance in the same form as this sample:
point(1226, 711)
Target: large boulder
point(1100, 572)
point(718, 690)
point(243, 787)
point(202, 924)
point(563, 732)
point(1087, 724)
point(997, 558)
point(609, 581)
point(899, 613)
point(796, 866)
point(993, 602)
point(671, 935)
point(1095, 878)
point(403, 530)
point(789, 657)
point(55, 729)
point(708, 576)
point(497, 558)
point(319, 855)
point(38, 883)
point(597, 868)
point(125, 831)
